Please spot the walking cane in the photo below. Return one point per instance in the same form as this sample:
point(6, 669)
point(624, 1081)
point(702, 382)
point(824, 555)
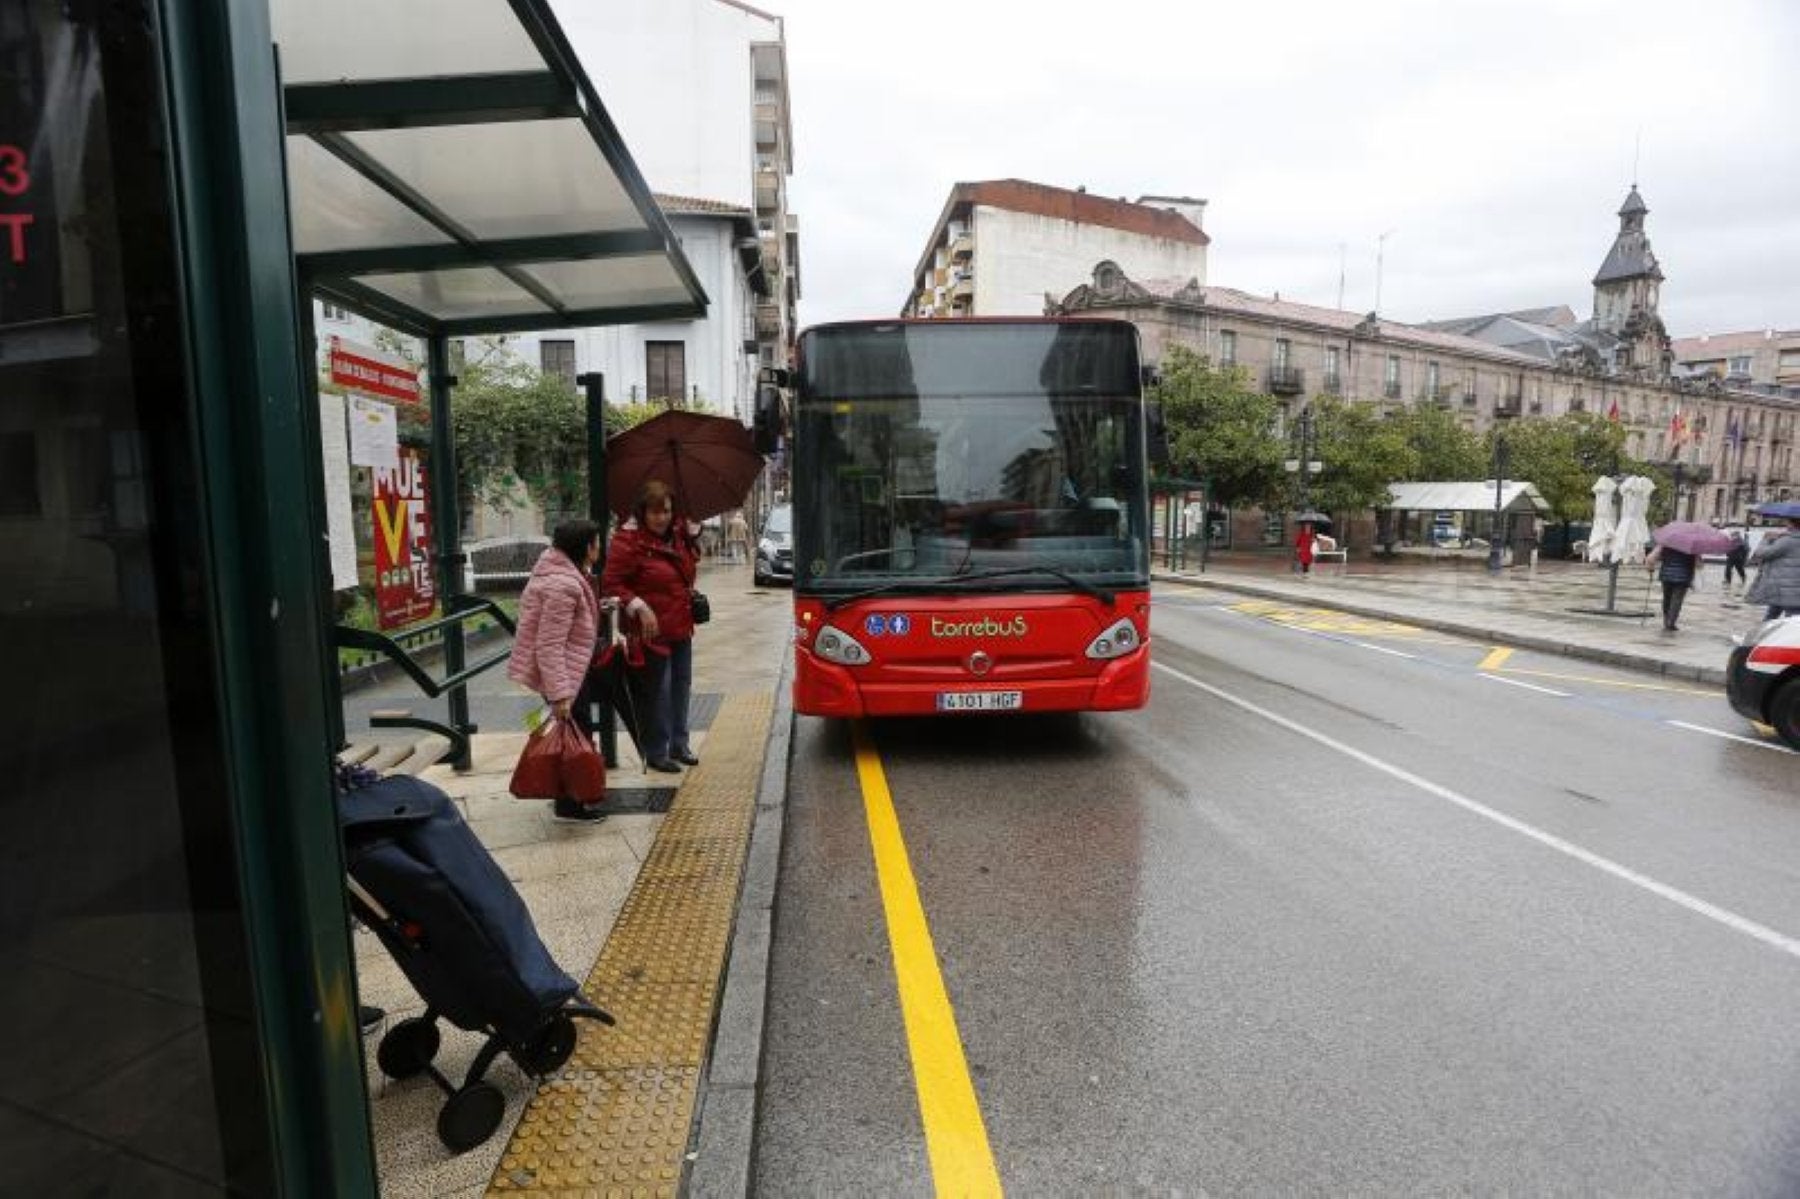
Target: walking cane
point(1644, 607)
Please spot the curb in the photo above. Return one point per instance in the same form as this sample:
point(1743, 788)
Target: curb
point(725, 1115)
point(1715, 675)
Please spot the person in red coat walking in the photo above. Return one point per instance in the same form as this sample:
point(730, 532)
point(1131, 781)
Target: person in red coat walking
point(650, 568)
point(1303, 549)
point(559, 619)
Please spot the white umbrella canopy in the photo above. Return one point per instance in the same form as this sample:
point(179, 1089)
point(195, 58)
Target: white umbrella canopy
point(1633, 533)
point(1606, 520)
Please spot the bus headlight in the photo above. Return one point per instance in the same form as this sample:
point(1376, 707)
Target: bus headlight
point(1119, 639)
point(835, 645)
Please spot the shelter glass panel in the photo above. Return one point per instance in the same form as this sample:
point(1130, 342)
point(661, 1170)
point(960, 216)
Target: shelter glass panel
point(463, 292)
point(612, 282)
point(516, 179)
point(335, 208)
point(127, 1027)
point(328, 41)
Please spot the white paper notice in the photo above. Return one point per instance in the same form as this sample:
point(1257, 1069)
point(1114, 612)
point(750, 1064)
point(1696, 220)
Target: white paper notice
point(340, 524)
point(374, 433)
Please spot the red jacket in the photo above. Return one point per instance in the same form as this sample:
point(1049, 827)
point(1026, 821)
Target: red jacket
point(559, 617)
point(641, 565)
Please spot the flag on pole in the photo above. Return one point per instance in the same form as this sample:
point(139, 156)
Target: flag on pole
point(1612, 414)
point(1677, 428)
point(1734, 436)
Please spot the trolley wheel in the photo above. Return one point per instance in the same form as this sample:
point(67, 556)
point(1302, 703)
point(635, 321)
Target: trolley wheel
point(408, 1048)
point(470, 1116)
point(549, 1048)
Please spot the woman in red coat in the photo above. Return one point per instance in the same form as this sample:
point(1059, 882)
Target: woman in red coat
point(650, 568)
point(1303, 548)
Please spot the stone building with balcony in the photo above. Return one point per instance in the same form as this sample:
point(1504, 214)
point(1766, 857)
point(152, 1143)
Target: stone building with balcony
point(999, 245)
point(1734, 444)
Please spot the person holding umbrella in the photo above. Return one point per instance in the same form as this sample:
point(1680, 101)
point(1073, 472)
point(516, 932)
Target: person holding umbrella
point(1777, 560)
point(1676, 560)
point(651, 565)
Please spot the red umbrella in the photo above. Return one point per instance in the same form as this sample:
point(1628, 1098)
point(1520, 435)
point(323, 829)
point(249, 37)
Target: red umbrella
point(709, 461)
point(1691, 537)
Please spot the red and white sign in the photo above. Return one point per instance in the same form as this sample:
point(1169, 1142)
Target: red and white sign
point(405, 586)
point(363, 368)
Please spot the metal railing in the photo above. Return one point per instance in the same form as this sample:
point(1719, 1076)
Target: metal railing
point(468, 608)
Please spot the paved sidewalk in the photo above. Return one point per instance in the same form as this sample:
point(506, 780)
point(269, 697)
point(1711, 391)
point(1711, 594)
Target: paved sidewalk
point(1556, 607)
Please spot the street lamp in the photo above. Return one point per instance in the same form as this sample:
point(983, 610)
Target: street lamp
point(1305, 464)
point(1496, 535)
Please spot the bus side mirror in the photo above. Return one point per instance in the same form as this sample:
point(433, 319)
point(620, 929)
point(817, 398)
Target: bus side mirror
point(1157, 433)
point(768, 418)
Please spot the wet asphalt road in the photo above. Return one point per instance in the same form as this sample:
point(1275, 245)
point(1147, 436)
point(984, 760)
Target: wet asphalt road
point(1501, 930)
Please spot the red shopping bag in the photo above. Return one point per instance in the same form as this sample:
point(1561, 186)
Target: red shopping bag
point(558, 762)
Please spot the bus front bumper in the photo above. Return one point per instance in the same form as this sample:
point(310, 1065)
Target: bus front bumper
point(826, 689)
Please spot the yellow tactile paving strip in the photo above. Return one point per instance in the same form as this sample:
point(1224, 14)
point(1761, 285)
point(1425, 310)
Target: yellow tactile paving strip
point(615, 1121)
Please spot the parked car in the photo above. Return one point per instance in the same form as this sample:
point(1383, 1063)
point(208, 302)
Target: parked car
point(775, 549)
point(1763, 679)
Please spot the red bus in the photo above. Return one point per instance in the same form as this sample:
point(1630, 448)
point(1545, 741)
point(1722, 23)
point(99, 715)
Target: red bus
point(971, 518)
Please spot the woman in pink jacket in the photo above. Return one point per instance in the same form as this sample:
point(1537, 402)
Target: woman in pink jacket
point(559, 621)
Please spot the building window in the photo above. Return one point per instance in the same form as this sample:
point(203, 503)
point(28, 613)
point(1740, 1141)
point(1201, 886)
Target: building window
point(335, 313)
point(1431, 379)
point(665, 370)
point(1334, 379)
point(1391, 382)
point(1283, 351)
point(558, 359)
point(1739, 365)
point(1227, 348)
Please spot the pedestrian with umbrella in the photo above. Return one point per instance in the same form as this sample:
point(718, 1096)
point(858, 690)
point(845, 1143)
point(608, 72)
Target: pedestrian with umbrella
point(651, 565)
point(1777, 560)
point(1676, 560)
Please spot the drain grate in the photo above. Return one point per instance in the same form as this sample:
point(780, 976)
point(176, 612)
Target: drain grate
point(626, 800)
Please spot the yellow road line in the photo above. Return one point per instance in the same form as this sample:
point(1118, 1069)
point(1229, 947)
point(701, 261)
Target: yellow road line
point(1495, 656)
point(955, 1137)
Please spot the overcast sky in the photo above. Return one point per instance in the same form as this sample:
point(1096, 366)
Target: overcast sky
point(1495, 140)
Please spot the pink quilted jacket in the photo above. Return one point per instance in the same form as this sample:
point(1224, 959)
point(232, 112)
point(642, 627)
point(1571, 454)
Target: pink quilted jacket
point(559, 619)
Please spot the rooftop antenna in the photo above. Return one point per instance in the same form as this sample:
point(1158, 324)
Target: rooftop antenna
point(1340, 302)
point(1380, 246)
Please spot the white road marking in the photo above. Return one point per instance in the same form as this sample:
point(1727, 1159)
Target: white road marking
point(1382, 649)
point(1700, 728)
point(1692, 903)
point(1528, 686)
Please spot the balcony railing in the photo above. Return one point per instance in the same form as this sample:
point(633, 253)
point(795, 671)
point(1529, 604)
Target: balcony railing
point(1509, 405)
point(768, 188)
point(961, 247)
point(768, 320)
point(768, 122)
point(1286, 380)
point(1333, 384)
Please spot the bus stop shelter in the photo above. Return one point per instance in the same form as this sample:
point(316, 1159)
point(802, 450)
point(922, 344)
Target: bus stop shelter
point(183, 176)
point(1467, 500)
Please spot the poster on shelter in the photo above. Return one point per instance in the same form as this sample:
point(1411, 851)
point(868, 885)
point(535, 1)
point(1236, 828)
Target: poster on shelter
point(374, 433)
point(340, 521)
point(405, 585)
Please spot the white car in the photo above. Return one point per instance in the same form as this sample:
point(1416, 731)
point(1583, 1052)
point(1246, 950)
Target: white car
point(1763, 680)
point(775, 549)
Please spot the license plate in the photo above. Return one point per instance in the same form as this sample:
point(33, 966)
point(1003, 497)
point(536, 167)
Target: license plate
point(980, 701)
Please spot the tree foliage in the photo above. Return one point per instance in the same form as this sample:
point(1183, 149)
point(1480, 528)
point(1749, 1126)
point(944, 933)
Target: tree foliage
point(1219, 428)
point(1361, 452)
point(1446, 450)
point(1562, 456)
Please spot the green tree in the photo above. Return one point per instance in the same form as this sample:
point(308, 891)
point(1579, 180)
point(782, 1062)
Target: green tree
point(1219, 428)
point(1446, 450)
point(1361, 452)
point(1562, 456)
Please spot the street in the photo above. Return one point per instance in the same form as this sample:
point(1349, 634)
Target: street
point(1351, 908)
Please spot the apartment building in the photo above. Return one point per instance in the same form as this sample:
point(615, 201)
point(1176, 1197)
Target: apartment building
point(1765, 357)
point(1005, 247)
point(702, 88)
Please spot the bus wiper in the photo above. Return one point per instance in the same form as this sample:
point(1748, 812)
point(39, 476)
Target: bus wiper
point(904, 586)
point(1076, 581)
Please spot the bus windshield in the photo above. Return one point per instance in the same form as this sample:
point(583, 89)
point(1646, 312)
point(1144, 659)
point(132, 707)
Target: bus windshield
point(932, 450)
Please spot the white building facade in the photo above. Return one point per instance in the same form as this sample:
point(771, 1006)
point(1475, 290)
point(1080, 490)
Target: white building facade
point(1002, 247)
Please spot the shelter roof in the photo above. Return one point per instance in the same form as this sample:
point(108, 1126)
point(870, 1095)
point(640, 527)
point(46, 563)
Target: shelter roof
point(1465, 497)
point(452, 170)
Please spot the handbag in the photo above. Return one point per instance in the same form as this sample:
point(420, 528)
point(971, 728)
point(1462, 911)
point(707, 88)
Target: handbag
point(701, 606)
point(558, 762)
